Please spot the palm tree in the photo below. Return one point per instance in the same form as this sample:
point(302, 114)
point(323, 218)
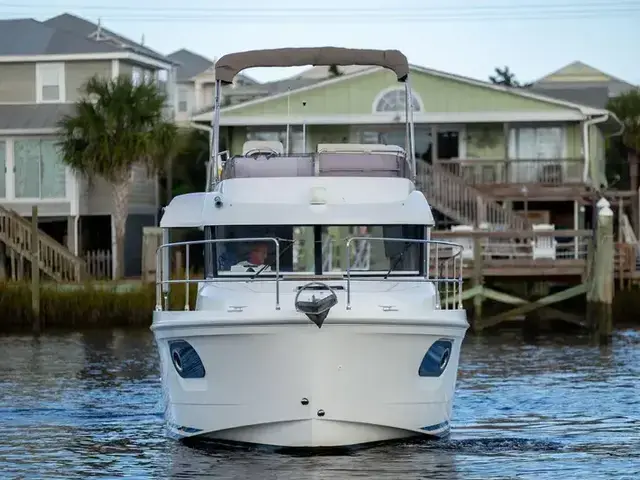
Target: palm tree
point(626, 106)
point(334, 71)
point(506, 77)
point(114, 126)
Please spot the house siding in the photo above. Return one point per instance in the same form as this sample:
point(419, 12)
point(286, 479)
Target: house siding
point(78, 73)
point(96, 196)
point(18, 83)
point(356, 96)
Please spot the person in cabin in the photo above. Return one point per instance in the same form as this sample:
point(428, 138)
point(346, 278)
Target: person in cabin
point(255, 260)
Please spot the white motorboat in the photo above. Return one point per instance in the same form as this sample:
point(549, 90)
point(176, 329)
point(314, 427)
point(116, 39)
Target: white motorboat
point(326, 317)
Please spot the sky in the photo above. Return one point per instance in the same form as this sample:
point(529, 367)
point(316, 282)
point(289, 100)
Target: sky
point(466, 37)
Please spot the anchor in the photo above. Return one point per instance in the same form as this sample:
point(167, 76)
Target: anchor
point(316, 309)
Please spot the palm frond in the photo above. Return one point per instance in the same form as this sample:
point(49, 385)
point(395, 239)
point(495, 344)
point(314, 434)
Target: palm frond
point(116, 125)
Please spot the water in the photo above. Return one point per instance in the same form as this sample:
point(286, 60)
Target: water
point(90, 406)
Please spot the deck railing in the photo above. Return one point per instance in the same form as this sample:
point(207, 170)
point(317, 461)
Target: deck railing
point(163, 269)
point(54, 259)
point(454, 197)
point(444, 269)
point(553, 172)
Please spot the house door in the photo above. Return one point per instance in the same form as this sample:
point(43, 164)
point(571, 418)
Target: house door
point(533, 149)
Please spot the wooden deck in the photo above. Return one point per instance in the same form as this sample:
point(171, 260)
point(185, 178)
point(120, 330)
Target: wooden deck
point(510, 254)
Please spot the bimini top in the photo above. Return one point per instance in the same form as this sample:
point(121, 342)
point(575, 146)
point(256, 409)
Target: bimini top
point(302, 201)
point(228, 66)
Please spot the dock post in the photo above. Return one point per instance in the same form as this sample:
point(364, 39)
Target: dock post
point(35, 270)
point(477, 280)
point(601, 281)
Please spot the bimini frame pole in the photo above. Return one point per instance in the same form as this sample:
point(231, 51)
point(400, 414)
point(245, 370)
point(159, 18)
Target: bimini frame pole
point(215, 136)
point(411, 142)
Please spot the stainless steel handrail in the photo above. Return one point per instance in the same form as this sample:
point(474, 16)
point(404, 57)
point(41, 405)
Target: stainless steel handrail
point(187, 281)
point(456, 280)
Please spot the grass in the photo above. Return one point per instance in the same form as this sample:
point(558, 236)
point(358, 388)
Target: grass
point(131, 304)
point(85, 307)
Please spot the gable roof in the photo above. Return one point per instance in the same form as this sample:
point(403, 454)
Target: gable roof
point(596, 96)
point(189, 63)
point(615, 85)
point(84, 28)
point(26, 36)
point(578, 65)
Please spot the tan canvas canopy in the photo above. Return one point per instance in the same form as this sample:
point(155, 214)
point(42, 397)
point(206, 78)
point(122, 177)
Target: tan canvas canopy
point(228, 66)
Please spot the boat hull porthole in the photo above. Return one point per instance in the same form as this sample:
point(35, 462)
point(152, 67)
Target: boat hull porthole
point(436, 360)
point(186, 361)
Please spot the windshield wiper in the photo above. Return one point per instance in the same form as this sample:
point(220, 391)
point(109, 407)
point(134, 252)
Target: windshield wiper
point(284, 250)
point(398, 260)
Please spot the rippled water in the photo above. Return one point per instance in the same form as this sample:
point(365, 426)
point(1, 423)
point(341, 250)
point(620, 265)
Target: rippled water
point(90, 406)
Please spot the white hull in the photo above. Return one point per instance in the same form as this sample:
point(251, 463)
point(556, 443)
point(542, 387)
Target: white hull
point(288, 383)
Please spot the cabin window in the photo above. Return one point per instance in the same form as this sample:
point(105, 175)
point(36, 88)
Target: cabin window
point(307, 249)
point(370, 253)
point(247, 257)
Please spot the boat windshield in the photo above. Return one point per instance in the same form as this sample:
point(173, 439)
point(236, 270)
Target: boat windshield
point(318, 250)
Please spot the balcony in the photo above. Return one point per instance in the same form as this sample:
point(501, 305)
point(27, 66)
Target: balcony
point(502, 172)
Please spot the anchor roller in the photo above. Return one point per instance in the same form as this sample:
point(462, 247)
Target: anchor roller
point(316, 309)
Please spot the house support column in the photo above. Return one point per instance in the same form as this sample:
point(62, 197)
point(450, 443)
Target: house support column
point(633, 183)
point(576, 226)
point(73, 234)
point(114, 248)
point(503, 173)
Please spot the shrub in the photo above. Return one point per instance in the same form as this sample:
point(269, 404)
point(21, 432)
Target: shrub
point(92, 305)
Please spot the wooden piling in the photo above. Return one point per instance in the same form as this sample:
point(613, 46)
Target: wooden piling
point(35, 270)
point(601, 278)
point(478, 281)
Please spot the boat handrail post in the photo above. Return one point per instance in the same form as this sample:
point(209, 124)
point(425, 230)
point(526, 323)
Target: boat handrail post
point(166, 267)
point(349, 240)
point(215, 136)
point(410, 128)
point(455, 257)
point(187, 278)
point(163, 280)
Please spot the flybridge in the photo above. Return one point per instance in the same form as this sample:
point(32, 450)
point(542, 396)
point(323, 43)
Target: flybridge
point(264, 159)
point(330, 160)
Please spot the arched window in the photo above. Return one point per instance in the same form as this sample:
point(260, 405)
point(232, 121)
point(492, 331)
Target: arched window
point(394, 101)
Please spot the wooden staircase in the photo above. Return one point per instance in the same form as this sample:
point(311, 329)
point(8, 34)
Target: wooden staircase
point(452, 197)
point(56, 261)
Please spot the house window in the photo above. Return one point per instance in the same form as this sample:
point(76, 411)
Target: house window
point(395, 101)
point(183, 99)
point(39, 171)
point(162, 76)
point(3, 169)
point(296, 144)
point(148, 76)
point(448, 144)
point(397, 136)
point(540, 151)
point(136, 76)
point(50, 82)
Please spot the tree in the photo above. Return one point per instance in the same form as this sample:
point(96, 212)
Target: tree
point(190, 163)
point(334, 71)
point(505, 77)
point(115, 126)
point(627, 108)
